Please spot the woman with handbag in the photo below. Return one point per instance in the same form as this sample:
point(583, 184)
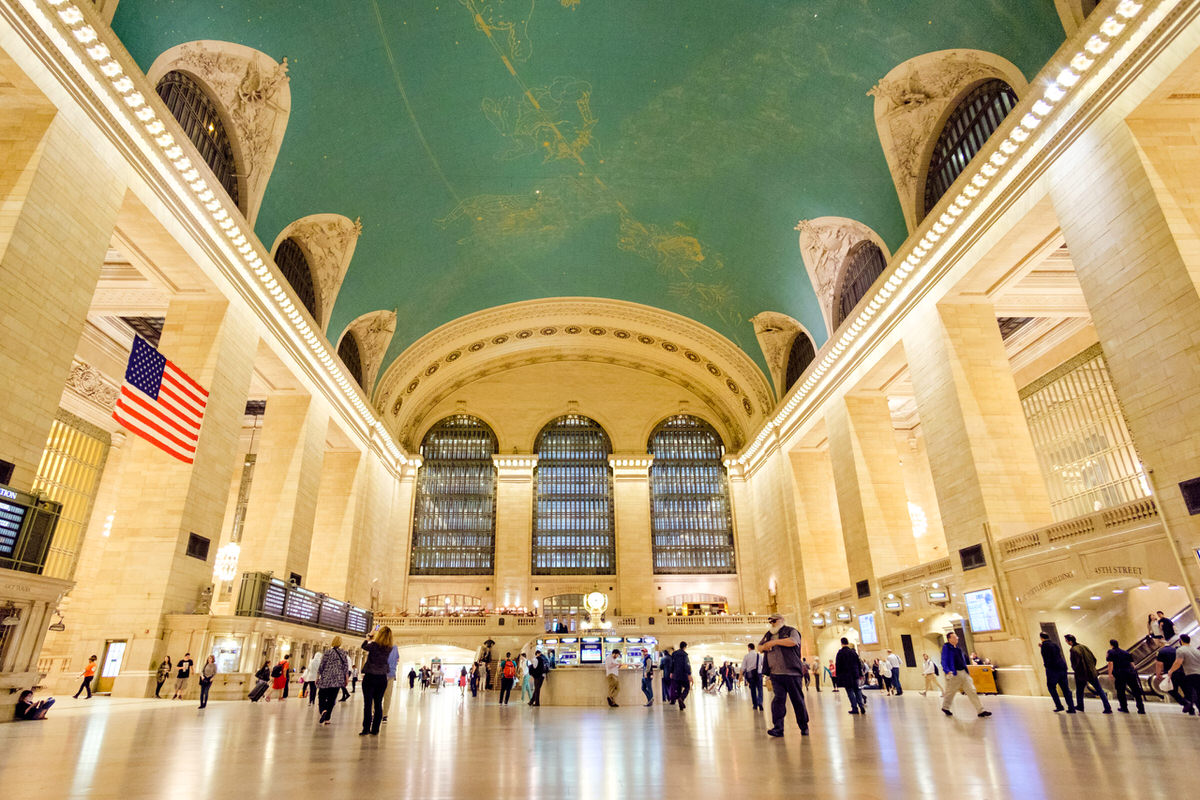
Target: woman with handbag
point(164, 674)
point(207, 673)
point(332, 676)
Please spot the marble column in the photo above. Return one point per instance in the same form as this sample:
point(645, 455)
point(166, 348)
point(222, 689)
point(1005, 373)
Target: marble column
point(335, 522)
point(58, 204)
point(822, 545)
point(635, 559)
point(514, 529)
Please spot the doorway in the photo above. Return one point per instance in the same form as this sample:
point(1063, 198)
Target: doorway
point(110, 665)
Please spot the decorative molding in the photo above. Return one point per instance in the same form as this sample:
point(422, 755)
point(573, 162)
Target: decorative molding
point(328, 241)
point(825, 243)
point(252, 91)
point(92, 385)
point(373, 332)
point(912, 103)
point(775, 332)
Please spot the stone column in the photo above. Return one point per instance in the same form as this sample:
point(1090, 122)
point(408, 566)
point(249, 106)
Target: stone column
point(404, 492)
point(514, 529)
point(278, 531)
point(822, 545)
point(872, 503)
point(335, 522)
point(777, 533)
point(752, 590)
point(985, 472)
point(144, 571)
point(58, 204)
point(635, 559)
point(1127, 212)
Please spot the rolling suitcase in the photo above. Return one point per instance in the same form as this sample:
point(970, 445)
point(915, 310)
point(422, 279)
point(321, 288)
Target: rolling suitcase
point(258, 691)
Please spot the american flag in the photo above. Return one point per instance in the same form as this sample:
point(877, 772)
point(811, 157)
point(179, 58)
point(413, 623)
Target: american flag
point(160, 403)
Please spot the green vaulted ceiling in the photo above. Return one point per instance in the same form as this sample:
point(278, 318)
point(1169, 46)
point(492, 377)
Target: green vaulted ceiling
point(659, 151)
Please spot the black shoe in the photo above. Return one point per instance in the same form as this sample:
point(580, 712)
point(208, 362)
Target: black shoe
point(649, 704)
point(1072, 711)
point(1123, 710)
point(947, 712)
point(985, 713)
point(364, 733)
point(1141, 711)
point(804, 731)
point(778, 734)
point(1079, 709)
point(1106, 711)
point(682, 706)
point(1060, 708)
point(852, 711)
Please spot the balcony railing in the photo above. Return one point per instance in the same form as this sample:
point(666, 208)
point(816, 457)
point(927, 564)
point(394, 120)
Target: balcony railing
point(27, 524)
point(262, 595)
point(1136, 514)
point(500, 623)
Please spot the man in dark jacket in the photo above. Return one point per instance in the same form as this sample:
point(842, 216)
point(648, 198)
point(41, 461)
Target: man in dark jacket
point(1056, 673)
point(537, 670)
point(848, 668)
point(1168, 627)
point(958, 677)
point(1125, 677)
point(681, 674)
point(1083, 662)
point(667, 675)
point(781, 647)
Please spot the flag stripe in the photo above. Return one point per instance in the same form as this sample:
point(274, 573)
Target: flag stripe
point(120, 414)
point(195, 389)
point(176, 378)
point(152, 414)
point(150, 421)
point(177, 406)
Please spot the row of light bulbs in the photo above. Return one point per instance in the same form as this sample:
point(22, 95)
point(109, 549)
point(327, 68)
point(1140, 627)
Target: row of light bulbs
point(1053, 94)
point(235, 230)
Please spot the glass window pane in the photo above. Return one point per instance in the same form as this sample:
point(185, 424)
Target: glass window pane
point(974, 120)
point(198, 116)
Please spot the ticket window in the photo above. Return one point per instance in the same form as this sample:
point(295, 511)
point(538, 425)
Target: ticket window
point(591, 650)
point(568, 652)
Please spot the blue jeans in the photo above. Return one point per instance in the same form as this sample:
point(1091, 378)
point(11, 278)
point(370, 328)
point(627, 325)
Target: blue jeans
point(648, 688)
point(896, 680)
point(854, 694)
point(754, 681)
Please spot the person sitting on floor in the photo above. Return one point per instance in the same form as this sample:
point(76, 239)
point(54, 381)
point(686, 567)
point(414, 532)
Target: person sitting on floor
point(29, 709)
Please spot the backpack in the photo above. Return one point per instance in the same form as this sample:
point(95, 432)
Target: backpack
point(509, 670)
point(935, 670)
point(276, 670)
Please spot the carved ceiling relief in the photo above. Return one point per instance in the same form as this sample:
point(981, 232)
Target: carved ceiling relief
point(824, 244)
point(373, 332)
point(775, 333)
point(911, 101)
point(252, 88)
point(91, 384)
point(329, 241)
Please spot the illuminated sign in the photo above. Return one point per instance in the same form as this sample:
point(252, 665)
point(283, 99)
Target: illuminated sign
point(893, 605)
point(843, 616)
point(982, 610)
point(866, 627)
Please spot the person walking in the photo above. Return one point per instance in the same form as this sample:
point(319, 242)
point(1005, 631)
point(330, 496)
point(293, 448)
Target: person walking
point(781, 648)
point(524, 663)
point(412, 679)
point(310, 677)
point(958, 679)
point(847, 670)
point(612, 672)
point(182, 673)
point(817, 669)
point(681, 675)
point(538, 670)
point(667, 677)
point(89, 672)
point(648, 677)
point(752, 664)
point(462, 686)
point(1164, 660)
point(508, 675)
point(1167, 626)
point(473, 679)
point(1056, 672)
point(393, 664)
point(1125, 677)
point(278, 679)
point(929, 670)
point(829, 673)
point(374, 679)
point(893, 662)
point(263, 682)
point(332, 676)
point(1083, 663)
point(164, 673)
point(207, 673)
point(354, 680)
point(1185, 672)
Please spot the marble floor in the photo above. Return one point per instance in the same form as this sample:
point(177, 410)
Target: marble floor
point(445, 746)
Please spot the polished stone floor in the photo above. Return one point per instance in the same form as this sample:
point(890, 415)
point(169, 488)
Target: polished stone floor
point(444, 746)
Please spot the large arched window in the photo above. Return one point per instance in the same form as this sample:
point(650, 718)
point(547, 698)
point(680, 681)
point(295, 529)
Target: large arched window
point(970, 124)
point(689, 499)
point(799, 357)
point(573, 532)
point(454, 522)
point(350, 355)
point(198, 116)
point(292, 262)
point(864, 264)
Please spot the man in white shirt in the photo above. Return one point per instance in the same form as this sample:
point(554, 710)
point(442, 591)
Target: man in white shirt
point(612, 665)
point(929, 670)
point(752, 672)
point(893, 661)
point(1185, 672)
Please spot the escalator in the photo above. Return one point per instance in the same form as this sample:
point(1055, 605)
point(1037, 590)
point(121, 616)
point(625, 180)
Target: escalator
point(1145, 650)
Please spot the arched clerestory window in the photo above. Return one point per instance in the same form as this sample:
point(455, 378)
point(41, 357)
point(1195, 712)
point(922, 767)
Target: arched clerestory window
point(691, 522)
point(864, 264)
point(351, 357)
point(799, 357)
point(970, 125)
point(292, 262)
point(197, 114)
point(573, 530)
point(454, 519)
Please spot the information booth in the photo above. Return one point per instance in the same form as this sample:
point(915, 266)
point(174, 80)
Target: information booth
point(579, 676)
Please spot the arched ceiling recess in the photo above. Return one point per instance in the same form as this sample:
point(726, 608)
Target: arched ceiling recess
point(630, 335)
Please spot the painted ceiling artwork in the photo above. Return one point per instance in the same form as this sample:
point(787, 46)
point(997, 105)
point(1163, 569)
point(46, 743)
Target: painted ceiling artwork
point(656, 151)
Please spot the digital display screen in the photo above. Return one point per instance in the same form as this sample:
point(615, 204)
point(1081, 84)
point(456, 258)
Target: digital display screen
point(12, 516)
point(866, 627)
point(982, 610)
point(591, 653)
